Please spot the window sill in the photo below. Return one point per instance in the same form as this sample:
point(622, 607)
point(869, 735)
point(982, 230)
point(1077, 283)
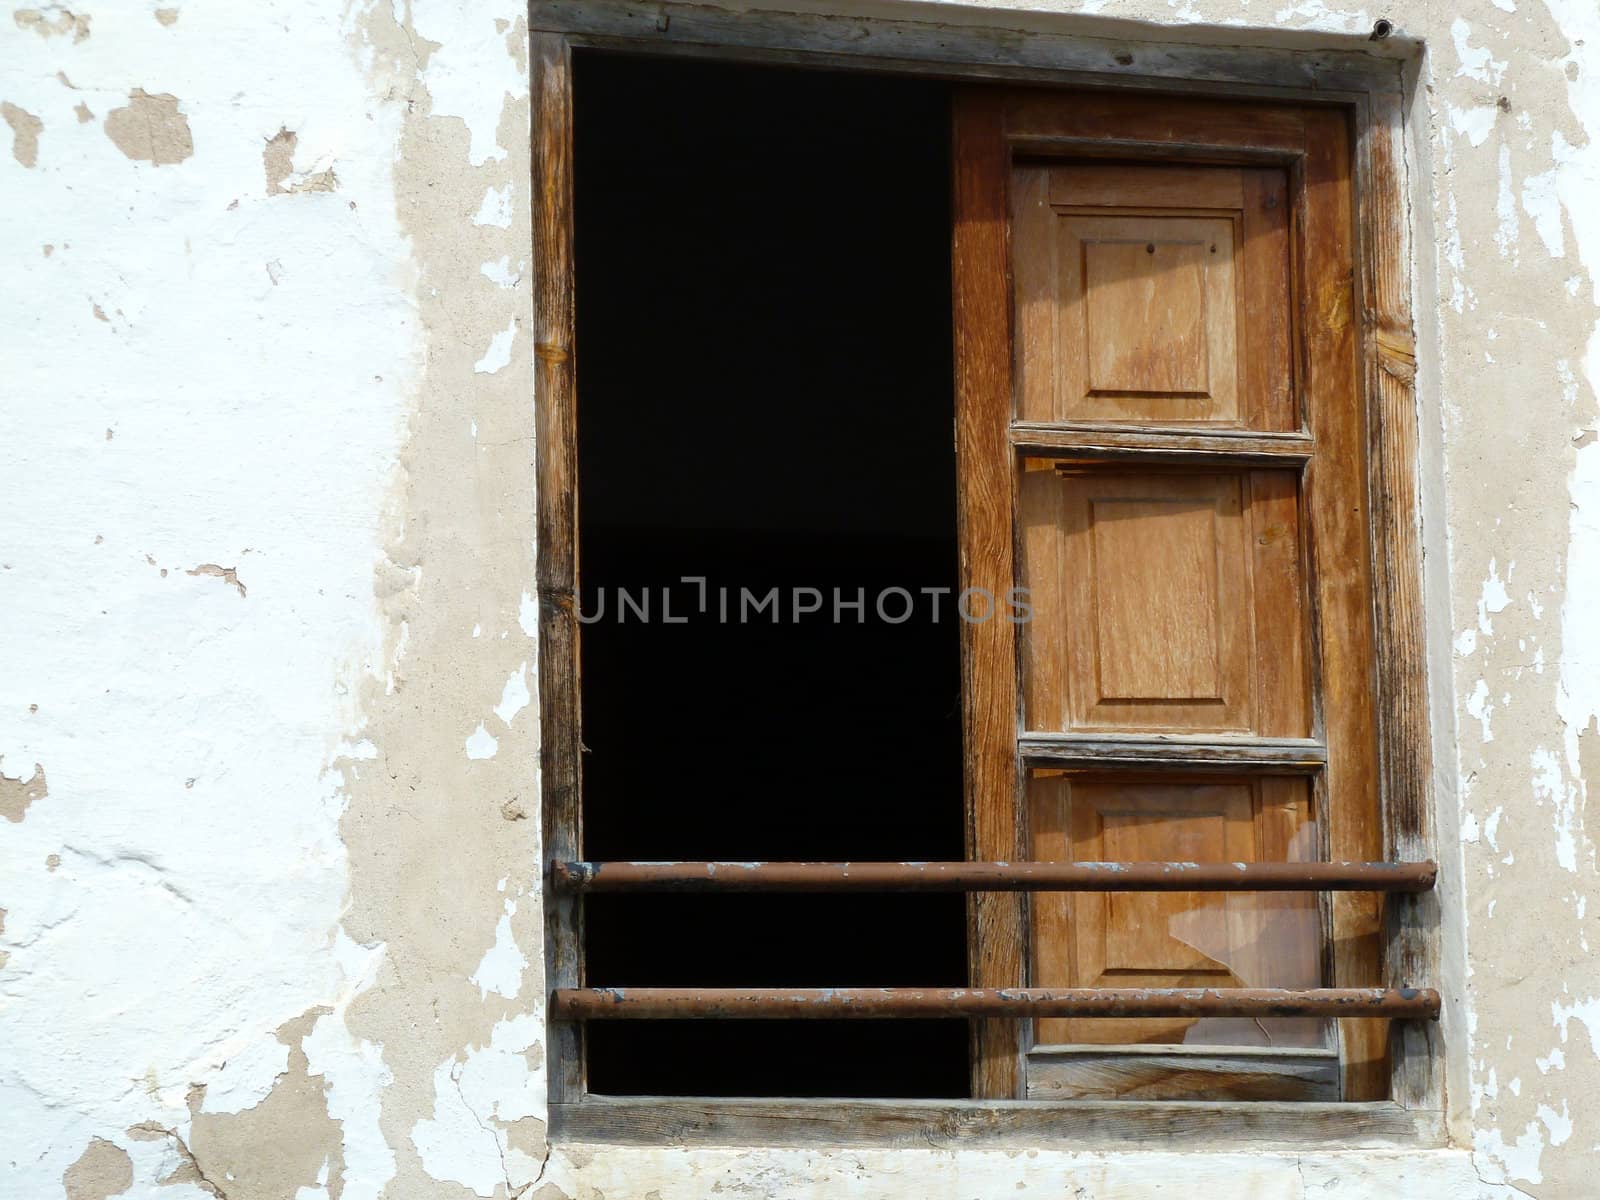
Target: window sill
point(1010, 1124)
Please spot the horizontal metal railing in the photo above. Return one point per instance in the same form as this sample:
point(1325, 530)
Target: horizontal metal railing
point(757, 1003)
point(582, 877)
point(661, 1003)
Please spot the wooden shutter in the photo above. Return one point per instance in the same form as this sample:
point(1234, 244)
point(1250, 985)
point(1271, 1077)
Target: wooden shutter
point(1160, 437)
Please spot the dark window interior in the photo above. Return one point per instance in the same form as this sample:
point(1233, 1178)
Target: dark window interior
point(764, 399)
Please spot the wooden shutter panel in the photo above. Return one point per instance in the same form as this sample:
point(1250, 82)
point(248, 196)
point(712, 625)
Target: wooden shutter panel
point(1176, 427)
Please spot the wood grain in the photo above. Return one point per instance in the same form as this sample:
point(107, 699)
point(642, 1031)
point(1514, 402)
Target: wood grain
point(1290, 548)
point(1336, 490)
point(1020, 1124)
point(1265, 317)
point(1073, 442)
point(1023, 48)
point(1164, 601)
point(1130, 299)
point(556, 541)
point(1174, 939)
point(1114, 1073)
point(982, 325)
point(1089, 751)
point(1404, 734)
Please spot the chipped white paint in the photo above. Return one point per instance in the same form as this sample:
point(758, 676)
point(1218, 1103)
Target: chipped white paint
point(1493, 598)
point(515, 697)
point(500, 273)
point(191, 737)
point(481, 743)
point(203, 374)
point(469, 74)
point(356, 1076)
point(1543, 206)
point(503, 963)
point(476, 1096)
point(496, 208)
point(498, 354)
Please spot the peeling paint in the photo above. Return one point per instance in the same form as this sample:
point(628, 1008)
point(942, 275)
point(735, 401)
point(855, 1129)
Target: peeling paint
point(150, 129)
point(103, 1170)
point(25, 130)
point(228, 575)
point(298, 804)
point(53, 21)
point(277, 160)
point(18, 792)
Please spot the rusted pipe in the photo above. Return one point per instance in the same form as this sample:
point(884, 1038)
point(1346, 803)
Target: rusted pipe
point(591, 1004)
point(573, 877)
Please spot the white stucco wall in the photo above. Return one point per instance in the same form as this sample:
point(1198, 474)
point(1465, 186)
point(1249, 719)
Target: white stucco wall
point(270, 899)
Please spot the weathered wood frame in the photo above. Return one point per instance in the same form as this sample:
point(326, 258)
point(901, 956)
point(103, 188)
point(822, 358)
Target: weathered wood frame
point(1092, 55)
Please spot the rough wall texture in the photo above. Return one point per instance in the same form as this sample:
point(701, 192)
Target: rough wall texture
point(269, 925)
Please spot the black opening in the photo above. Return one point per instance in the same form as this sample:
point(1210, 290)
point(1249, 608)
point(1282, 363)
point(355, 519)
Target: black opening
point(764, 401)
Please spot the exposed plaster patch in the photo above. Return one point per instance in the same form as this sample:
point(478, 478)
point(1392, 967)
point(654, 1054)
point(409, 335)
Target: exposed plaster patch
point(53, 21)
point(83, 113)
point(292, 1119)
point(151, 129)
point(167, 16)
point(228, 575)
point(17, 792)
point(25, 130)
point(103, 1170)
point(277, 160)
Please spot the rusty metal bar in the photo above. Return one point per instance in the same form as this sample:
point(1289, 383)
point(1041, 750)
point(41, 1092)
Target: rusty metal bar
point(576, 877)
point(584, 1004)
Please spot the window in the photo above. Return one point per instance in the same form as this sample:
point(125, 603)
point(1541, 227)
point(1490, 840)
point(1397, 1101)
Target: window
point(1188, 760)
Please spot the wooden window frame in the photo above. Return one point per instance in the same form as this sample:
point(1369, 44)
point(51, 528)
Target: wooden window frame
point(1370, 91)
